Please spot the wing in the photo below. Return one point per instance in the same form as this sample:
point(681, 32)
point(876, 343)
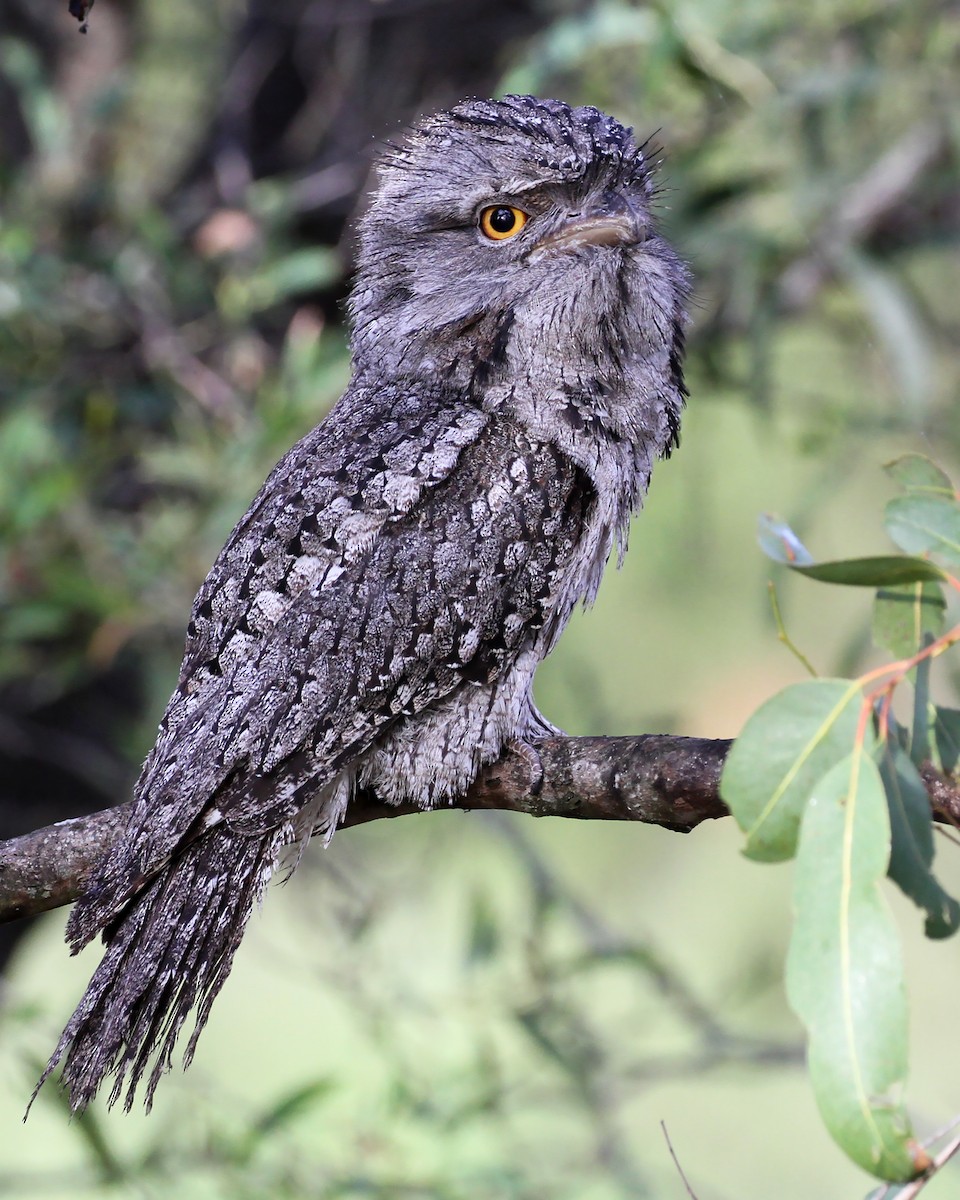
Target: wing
point(323, 504)
point(399, 552)
point(446, 597)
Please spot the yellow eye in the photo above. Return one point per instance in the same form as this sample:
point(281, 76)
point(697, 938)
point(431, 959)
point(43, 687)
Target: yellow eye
point(502, 221)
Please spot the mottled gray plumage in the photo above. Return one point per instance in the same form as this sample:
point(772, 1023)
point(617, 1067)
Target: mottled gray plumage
point(376, 617)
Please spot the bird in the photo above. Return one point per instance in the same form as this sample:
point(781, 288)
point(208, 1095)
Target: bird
point(374, 622)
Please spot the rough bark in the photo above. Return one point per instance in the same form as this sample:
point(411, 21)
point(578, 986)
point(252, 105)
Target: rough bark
point(655, 779)
point(659, 780)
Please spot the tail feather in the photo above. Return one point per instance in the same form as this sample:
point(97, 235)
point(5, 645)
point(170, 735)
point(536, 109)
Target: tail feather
point(168, 951)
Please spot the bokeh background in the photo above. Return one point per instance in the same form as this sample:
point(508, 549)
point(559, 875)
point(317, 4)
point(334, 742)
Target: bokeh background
point(460, 1006)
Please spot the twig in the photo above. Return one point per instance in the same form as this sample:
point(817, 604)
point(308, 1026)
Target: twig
point(914, 1189)
point(676, 1162)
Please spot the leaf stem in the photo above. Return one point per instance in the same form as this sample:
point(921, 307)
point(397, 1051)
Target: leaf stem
point(782, 634)
point(916, 1187)
point(904, 665)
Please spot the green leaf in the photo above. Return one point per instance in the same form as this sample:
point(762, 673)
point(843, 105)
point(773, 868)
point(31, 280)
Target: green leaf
point(917, 473)
point(779, 542)
point(946, 731)
point(911, 854)
point(904, 615)
point(844, 970)
point(925, 524)
point(883, 570)
point(785, 747)
point(920, 727)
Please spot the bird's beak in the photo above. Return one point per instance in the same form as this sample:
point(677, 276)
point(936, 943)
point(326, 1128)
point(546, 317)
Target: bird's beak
point(612, 222)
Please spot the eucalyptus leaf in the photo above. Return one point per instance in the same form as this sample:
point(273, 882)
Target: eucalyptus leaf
point(880, 571)
point(917, 473)
point(911, 852)
point(904, 615)
point(920, 729)
point(946, 732)
point(925, 524)
point(845, 971)
point(784, 748)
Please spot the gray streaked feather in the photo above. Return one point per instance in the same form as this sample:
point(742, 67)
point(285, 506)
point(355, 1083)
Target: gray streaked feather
point(376, 617)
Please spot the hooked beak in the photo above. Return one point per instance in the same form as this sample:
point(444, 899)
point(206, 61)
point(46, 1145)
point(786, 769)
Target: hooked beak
point(612, 222)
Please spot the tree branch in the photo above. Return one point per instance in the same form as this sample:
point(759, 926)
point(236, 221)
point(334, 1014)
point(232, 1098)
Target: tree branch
point(669, 781)
point(657, 780)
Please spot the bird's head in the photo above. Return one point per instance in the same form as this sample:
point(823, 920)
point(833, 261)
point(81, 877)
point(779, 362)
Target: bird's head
point(513, 239)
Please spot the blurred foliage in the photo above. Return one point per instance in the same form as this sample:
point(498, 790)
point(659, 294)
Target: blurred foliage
point(147, 366)
point(161, 344)
point(811, 177)
point(141, 402)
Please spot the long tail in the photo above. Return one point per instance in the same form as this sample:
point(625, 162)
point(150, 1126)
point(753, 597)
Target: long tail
point(169, 950)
